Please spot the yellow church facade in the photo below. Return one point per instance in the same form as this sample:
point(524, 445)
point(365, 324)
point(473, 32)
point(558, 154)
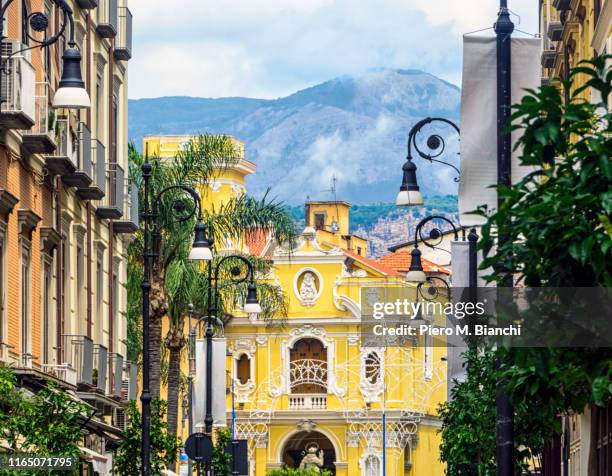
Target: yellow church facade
point(310, 384)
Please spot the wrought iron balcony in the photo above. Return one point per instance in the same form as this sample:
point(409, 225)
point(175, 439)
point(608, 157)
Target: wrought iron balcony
point(17, 89)
point(78, 353)
point(39, 140)
point(554, 30)
point(130, 222)
point(97, 188)
point(81, 177)
point(87, 4)
point(111, 207)
point(123, 42)
point(115, 382)
point(100, 363)
point(63, 161)
point(107, 18)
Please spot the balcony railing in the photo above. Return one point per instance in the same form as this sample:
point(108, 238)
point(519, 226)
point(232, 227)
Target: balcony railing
point(307, 402)
point(39, 140)
point(87, 4)
point(63, 372)
point(107, 18)
point(111, 207)
point(64, 160)
point(100, 363)
point(17, 90)
point(81, 177)
point(78, 353)
point(130, 222)
point(554, 30)
point(561, 4)
point(123, 42)
point(97, 189)
point(115, 362)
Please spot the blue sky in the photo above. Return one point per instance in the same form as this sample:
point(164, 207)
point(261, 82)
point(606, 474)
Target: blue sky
point(271, 48)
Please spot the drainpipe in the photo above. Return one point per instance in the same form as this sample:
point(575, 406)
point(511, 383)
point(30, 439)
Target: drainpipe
point(59, 291)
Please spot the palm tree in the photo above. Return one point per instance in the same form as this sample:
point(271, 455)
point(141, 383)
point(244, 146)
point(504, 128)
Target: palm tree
point(178, 282)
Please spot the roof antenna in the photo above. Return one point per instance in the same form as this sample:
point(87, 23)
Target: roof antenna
point(335, 227)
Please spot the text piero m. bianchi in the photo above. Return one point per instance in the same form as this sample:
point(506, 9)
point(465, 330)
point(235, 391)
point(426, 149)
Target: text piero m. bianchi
point(397, 313)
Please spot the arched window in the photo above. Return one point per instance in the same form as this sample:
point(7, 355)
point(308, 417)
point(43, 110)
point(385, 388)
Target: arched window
point(371, 466)
point(372, 368)
point(308, 366)
point(243, 369)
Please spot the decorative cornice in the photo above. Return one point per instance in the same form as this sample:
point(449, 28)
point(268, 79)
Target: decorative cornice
point(27, 221)
point(49, 239)
point(7, 202)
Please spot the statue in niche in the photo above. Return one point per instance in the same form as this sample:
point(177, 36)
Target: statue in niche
point(308, 289)
point(313, 457)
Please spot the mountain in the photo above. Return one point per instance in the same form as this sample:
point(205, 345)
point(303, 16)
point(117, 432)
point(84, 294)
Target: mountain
point(353, 128)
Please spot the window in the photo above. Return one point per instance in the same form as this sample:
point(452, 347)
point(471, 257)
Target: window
point(25, 303)
point(359, 251)
point(2, 288)
point(80, 288)
point(100, 104)
point(99, 321)
point(371, 466)
point(372, 367)
point(48, 325)
point(243, 369)
point(319, 219)
point(65, 298)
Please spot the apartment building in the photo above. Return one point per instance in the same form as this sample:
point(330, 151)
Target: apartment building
point(67, 211)
point(573, 31)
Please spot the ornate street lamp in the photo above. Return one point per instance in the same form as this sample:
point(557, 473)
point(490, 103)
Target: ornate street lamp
point(410, 194)
point(181, 196)
point(71, 92)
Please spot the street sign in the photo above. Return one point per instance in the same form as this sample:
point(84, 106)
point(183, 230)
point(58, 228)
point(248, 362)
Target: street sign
point(199, 447)
point(239, 465)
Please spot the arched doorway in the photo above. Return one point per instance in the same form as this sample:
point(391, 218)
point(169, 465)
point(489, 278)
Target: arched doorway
point(297, 446)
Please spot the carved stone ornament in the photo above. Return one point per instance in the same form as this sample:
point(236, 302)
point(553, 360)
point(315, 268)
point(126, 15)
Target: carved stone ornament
point(307, 286)
point(306, 425)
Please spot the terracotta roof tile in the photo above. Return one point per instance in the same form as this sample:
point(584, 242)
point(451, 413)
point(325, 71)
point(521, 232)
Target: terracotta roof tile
point(400, 262)
point(257, 240)
point(377, 265)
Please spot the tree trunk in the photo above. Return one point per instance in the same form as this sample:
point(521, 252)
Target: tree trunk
point(159, 309)
point(175, 343)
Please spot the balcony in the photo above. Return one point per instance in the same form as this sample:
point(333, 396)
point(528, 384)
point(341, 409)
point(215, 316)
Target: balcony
point(87, 4)
point(115, 381)
point(63, 161)
point(18, 108)
point(548, 58)
point(554, 30)
point(112, 206)
point(130, 213)
point(130, 381)
point(561, 4)
point(97, 189)
point(39, 140)
point(107, 18)
point(100, 361)
point(123, 42)
point(63, 372)
point(81, 177)
point(78, 354)
point(307, 402)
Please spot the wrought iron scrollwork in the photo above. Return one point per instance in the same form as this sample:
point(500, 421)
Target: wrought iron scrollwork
point(435, 142)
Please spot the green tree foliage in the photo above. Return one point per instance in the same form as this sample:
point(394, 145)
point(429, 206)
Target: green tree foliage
point(468, 422)
point(221, 459)
point(287, 471)
point(47, 423)
point(164, 446)
point(558, 233)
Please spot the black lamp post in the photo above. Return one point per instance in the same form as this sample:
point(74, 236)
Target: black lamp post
point(410, 194)
point(237, 275)
point(71, 92)
point(151, 241)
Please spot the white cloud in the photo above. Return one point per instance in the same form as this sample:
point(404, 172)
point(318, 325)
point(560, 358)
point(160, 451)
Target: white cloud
point(268, 48)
